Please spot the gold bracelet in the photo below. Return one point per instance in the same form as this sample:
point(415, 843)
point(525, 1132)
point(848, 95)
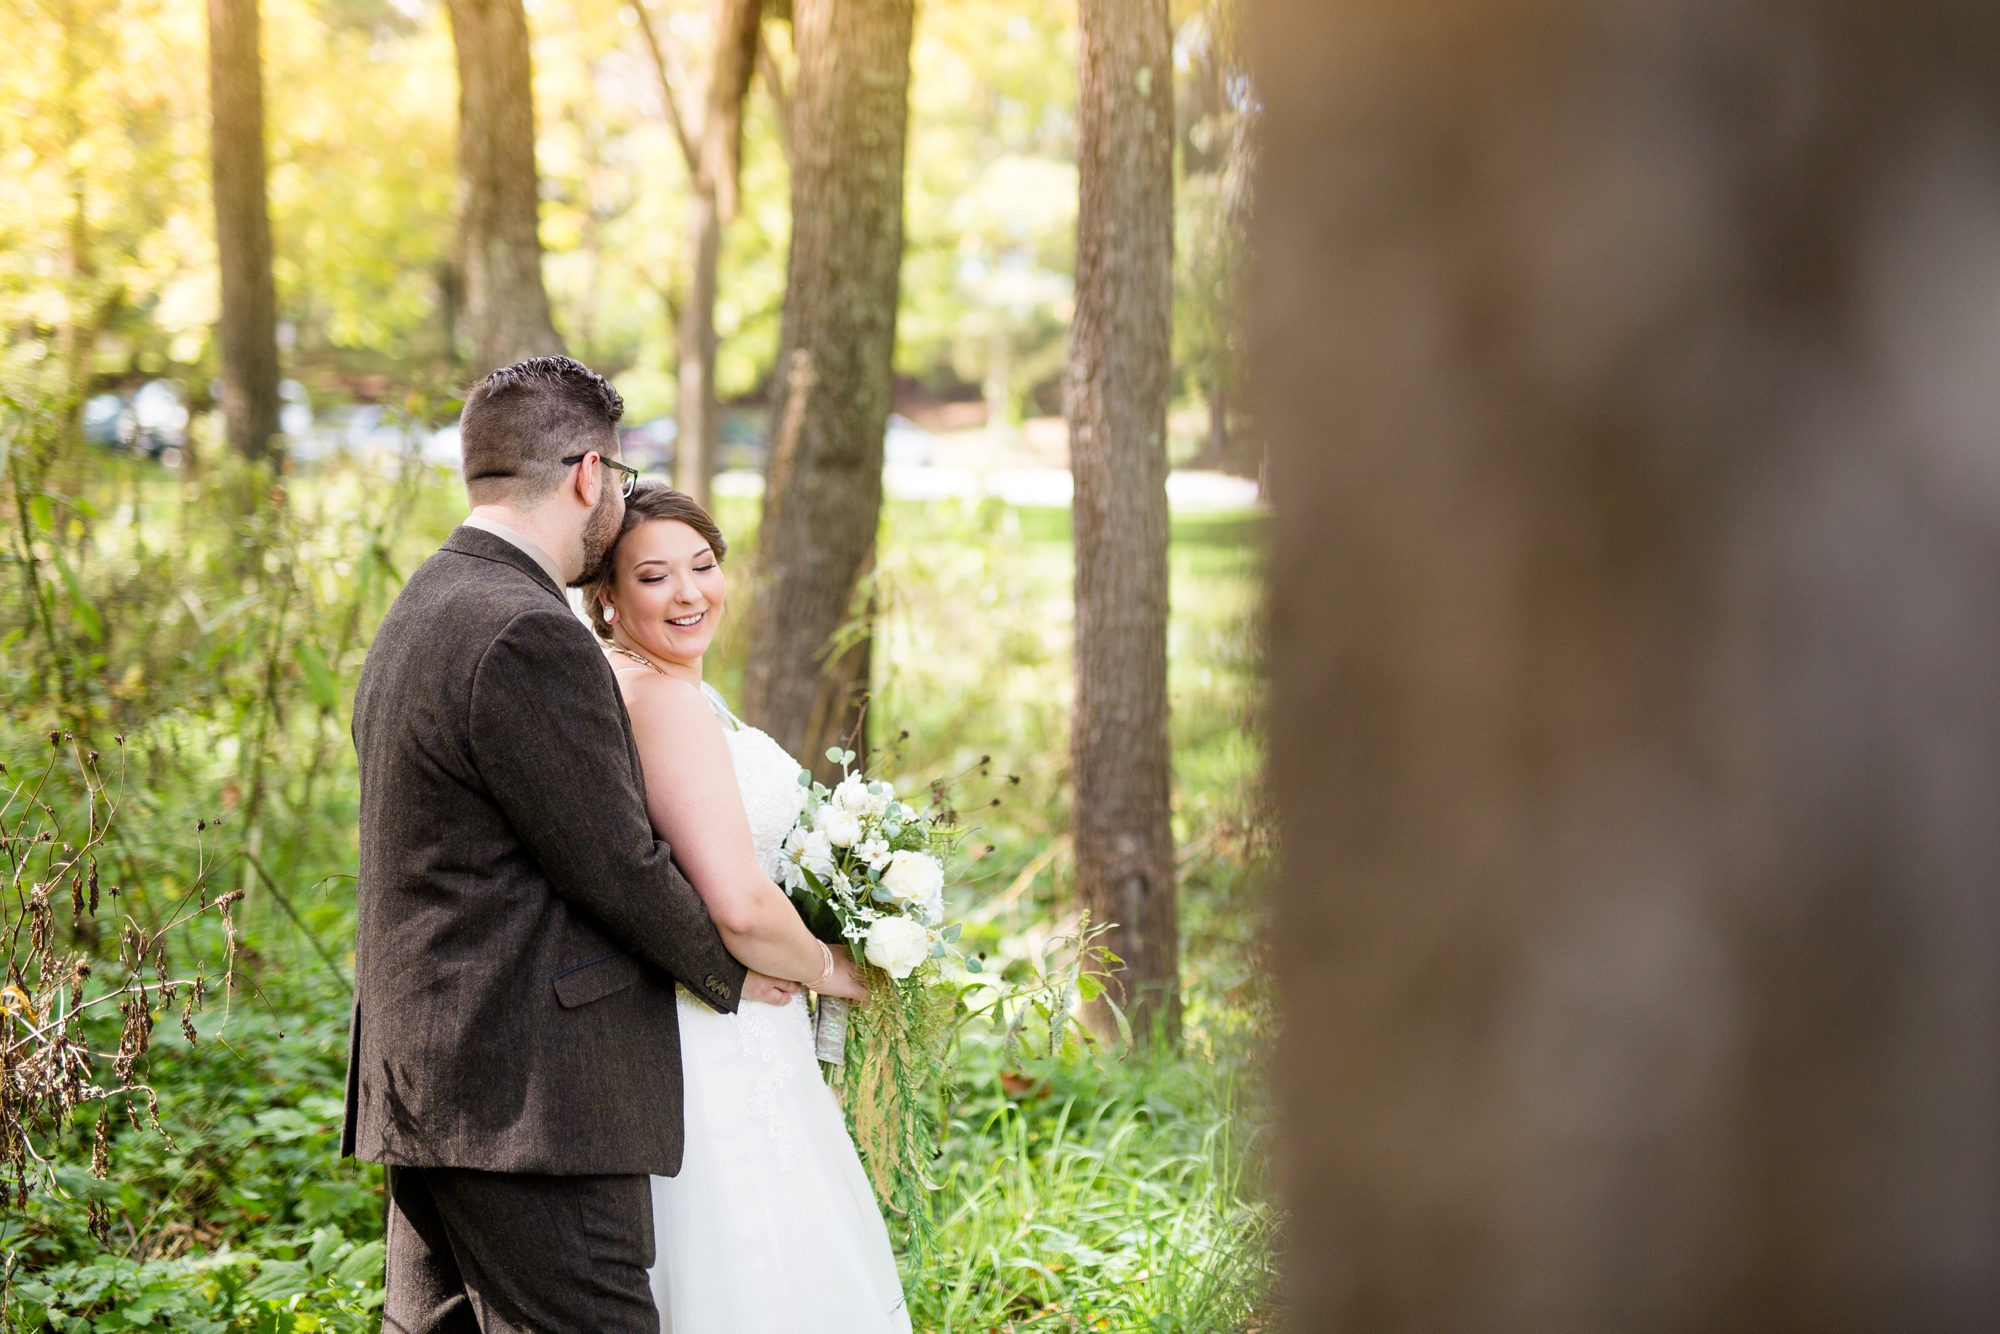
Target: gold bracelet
point(827, 975)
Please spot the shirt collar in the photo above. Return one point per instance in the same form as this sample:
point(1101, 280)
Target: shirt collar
point(521, 540)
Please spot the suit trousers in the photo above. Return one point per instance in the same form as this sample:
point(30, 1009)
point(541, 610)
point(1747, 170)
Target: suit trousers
point(504, 1253)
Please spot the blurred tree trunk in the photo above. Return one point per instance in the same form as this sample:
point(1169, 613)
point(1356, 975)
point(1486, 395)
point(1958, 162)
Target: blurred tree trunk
point(506, 306)
point(1118, 379)
point(850, 107)
point(712, 147)
point(248, 332)
point(1629, 378)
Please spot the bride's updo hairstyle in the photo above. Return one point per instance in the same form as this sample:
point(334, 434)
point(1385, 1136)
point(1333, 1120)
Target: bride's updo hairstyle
point(650, 502)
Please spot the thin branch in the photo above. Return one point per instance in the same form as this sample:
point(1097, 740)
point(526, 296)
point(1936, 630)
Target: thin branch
point(667, 98)
point(300, 922)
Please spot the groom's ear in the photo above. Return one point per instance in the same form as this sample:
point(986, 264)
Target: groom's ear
point(587, 480)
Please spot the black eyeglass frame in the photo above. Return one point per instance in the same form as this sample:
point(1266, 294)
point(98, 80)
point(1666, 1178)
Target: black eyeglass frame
point(631, 482)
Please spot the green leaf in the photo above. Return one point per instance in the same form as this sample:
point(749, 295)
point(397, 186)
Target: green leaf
point(321, 684)
point(833, 754)
point(805, 779)
point(1124, 1024)
point(953, 932)
point(80, 606)
point(363, 1266)
point(1089, 987)
point(973, 964)
point(43, 511)
point(325, 1242)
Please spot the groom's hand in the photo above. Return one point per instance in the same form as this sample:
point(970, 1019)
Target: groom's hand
point(770, 990)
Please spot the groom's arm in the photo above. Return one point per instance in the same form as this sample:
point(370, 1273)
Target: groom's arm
point(550, 740)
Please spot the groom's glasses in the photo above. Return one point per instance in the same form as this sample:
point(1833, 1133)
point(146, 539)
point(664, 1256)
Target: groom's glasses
point(628, 481)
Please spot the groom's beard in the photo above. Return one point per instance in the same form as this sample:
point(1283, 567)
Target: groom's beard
point(600, 533)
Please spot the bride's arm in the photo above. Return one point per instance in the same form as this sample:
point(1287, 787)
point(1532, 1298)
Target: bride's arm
point(697, 810)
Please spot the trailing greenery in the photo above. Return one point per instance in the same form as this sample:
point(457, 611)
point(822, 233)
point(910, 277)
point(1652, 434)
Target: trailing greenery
point(231, 614)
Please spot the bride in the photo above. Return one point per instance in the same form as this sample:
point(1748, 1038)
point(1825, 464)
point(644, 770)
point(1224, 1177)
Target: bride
point(771, 1224)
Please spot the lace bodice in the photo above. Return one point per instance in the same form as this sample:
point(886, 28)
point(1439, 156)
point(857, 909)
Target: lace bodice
point(768, 779)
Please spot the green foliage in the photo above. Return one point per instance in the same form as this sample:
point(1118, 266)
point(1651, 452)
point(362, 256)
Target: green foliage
point(1074, 1191)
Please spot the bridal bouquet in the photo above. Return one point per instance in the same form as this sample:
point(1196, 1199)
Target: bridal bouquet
point(866, 869)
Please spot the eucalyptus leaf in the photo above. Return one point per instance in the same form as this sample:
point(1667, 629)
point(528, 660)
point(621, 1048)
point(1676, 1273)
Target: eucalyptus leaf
point(953, 932)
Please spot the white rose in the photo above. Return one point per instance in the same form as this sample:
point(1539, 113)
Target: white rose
point(913, 876)
point(897, 945)
point(840, 827)
point(817, 854)
point(874, 851)
point(852, 795)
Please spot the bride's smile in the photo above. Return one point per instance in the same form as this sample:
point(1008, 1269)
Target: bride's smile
point(665, 595)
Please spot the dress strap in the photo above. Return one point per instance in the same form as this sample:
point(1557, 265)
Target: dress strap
point(721, 707)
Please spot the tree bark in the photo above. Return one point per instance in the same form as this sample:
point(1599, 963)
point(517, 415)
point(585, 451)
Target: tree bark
point(1118, 380)
point(850, 109)
point(1628, 377)
point(506, 306)
point(248, 333)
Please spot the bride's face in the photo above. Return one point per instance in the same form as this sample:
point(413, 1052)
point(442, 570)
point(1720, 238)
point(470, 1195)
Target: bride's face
point(669, 592)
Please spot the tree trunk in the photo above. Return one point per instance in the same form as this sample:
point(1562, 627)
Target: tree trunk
point(1118, 379)
point(249, 328)
point(506, 307)
point(1628, 373)
point(850, 108)
point(695, 432)
point(713, 150)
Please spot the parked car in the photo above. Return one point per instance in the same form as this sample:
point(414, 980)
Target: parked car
point(649, 446)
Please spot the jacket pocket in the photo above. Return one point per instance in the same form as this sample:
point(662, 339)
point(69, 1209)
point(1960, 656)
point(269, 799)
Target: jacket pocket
point(595, 979)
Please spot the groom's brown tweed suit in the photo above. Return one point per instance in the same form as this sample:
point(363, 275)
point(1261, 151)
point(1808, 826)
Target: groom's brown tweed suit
point(515, 1057)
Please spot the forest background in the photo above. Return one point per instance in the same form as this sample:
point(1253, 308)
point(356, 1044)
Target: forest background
point(199, 619)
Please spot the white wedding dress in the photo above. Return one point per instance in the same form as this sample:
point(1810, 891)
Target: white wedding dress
point(771, 1226)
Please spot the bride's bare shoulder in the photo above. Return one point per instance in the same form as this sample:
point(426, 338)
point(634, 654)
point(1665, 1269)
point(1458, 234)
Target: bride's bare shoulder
point(656, 697)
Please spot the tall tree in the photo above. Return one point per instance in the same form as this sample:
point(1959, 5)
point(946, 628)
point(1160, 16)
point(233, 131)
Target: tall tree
point(823, 498)
point(1117, 385)
point(711, 141)
point(249, 327)
point(1628, 372)
point(506, 306)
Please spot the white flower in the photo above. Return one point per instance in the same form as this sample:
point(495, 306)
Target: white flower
point(840, 826)
point(933, 907)
point(897, 945)
point(852, 795)
point(914, 877)
point(874, 851)
point(816, 854)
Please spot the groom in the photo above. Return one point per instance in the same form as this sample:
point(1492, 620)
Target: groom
point(515, 1059)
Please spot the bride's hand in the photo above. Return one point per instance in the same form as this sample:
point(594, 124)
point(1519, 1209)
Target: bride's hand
point(846, 980)
point(770, 990)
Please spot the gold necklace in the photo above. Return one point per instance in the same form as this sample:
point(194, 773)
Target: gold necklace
point(639, 658)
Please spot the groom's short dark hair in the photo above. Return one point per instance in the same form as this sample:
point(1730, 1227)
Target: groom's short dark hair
point(522, 419)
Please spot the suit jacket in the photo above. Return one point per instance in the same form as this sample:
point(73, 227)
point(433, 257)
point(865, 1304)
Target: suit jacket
point(519, 926)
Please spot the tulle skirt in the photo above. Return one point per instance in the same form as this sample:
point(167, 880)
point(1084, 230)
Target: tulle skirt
point(771, 1225)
